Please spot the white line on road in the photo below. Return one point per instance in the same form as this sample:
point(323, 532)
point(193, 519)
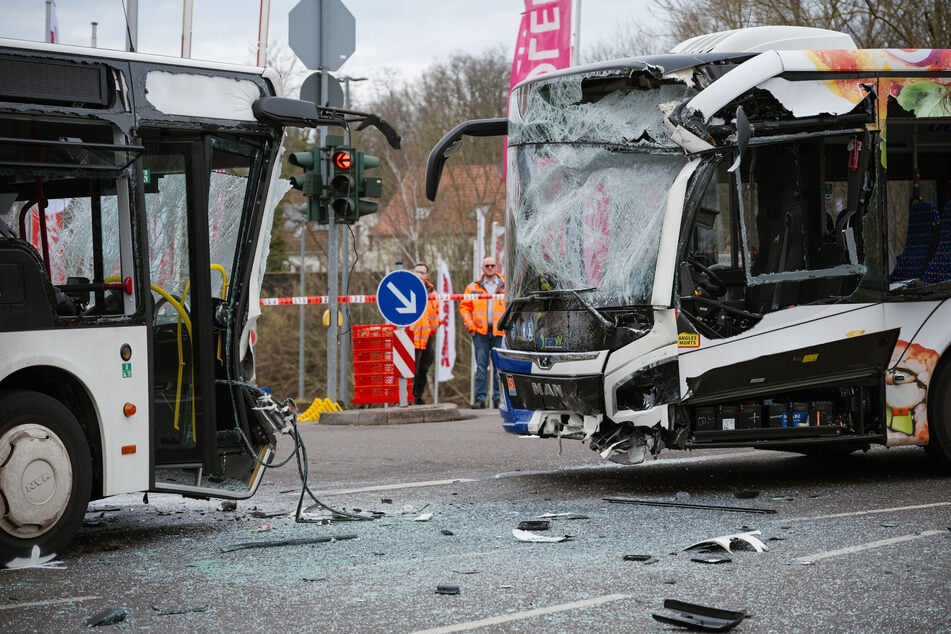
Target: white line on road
point(392, 487)
point(528, 614)
point(866, 512)
point(808, 559)
point(31, 604)
point(613, 466)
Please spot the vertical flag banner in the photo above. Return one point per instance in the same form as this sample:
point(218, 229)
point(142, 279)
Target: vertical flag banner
point(54, 25)
point(544, 39)
point(446, 334)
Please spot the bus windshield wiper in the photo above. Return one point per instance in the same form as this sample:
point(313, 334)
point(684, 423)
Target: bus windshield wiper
point(576, 293)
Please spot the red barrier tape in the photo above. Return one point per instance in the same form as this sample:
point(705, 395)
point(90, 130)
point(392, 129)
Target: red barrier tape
point(365, 299)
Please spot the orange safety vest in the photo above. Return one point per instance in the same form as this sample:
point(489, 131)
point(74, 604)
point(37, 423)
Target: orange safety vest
point(426, 326)
point(475, 312)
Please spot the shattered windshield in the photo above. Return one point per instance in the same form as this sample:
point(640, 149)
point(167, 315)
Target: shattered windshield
point(590, 165)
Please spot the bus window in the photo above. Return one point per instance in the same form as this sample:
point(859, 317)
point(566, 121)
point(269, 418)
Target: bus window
point(917, 176)
point(802, 209)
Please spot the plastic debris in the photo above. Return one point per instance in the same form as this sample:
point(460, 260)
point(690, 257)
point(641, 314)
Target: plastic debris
point(447, 532)
point(644, 559)
point(164, 612)
point(262, 528)
point(35, 561)
point(106, 617)
point(564, 516)
point(287, 542)
point(447, 588)
point(526, 536)
point(699, 617)
point(534, 525)
point(726, 541)
point(423, 517)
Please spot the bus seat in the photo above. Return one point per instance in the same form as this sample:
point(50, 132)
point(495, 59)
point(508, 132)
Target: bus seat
point(939, 268)
point(919, 243)
point(27, 298)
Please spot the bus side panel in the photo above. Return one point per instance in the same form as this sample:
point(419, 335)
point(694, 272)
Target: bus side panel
point(95, 362)
point(912, 365)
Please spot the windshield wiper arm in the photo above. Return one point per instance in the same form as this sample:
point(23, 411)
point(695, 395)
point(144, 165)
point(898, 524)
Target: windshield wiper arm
point(575, 292)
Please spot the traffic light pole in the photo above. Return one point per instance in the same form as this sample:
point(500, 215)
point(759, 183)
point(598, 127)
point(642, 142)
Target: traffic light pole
point(333, 272)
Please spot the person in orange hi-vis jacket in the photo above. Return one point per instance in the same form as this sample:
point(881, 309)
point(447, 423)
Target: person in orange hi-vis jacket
point(481, 317)
point(424, 335)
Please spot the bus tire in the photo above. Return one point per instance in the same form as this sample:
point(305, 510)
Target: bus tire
point(45, 477)
point(939, 418)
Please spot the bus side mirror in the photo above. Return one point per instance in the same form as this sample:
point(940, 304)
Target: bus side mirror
point(452, 141)
point(743, 133)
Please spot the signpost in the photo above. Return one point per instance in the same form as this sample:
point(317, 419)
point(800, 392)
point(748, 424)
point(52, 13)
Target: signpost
point(323, 35)
point(401, 298)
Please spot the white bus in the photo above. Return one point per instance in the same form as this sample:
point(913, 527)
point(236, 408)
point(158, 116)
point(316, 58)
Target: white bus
point(136, 199)
point(743, 243)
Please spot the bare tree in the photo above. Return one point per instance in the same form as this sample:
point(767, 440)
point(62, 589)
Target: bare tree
point(872, 23)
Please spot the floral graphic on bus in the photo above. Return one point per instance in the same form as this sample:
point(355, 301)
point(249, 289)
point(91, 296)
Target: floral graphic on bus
point(906, 393)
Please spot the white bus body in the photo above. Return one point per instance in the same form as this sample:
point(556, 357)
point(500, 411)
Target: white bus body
point(730, 245)
point(136, 199)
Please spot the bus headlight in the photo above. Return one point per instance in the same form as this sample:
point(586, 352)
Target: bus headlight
point(655, 385)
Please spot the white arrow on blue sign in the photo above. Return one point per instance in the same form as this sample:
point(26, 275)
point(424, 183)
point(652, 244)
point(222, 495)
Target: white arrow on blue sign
point(401, 298)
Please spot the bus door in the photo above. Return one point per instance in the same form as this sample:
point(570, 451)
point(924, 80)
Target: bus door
point(198, 196)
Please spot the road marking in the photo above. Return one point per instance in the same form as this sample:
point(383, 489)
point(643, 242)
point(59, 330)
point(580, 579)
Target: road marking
point(393, 487)
point(808, 559)
point(32, 604)
point(866, 512)
point(613, 466)
point(528, 614)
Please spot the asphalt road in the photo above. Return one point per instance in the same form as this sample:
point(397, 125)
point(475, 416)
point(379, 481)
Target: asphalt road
point(855, 544)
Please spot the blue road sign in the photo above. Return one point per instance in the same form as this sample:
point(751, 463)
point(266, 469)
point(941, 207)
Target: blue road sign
point(401, 298)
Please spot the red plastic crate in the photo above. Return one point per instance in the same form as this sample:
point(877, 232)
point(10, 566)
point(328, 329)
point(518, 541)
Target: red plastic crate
point(373, 356)
point(374, 379)
point(375, 330)
point(379, 394)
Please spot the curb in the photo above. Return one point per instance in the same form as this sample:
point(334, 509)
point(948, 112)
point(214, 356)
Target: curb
point(394, 415)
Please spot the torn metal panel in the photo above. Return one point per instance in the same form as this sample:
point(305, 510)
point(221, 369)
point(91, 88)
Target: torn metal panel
point(726, 541)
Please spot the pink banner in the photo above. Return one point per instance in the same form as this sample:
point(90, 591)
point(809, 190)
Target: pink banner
point(544, 39)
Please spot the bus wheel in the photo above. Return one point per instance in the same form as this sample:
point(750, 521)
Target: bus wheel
point(45, 477)
point(939, 418)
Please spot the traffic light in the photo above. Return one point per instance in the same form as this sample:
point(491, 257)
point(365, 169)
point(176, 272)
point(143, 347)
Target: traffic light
point(343, 184)
point(309, 183)
point(367, 186)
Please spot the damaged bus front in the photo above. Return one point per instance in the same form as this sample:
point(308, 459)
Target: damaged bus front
point(717, 247)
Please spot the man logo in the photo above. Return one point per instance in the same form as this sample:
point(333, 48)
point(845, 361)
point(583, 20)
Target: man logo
point(547, 389)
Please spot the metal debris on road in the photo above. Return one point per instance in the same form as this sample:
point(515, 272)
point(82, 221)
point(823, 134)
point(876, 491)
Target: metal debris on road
point(526, 536)
point(106, 617)
point(447, 588)
point(726, 541)
point(287, 542)
point(644, 559)
point(699, 617)
point(534, 525)
point(684, 505)
point(227, 505)
point(164, 612)
point(564, 516)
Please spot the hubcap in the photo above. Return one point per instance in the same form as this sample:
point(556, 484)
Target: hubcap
point(36, 479)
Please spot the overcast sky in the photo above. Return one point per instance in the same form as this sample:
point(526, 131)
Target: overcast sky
point(402, 35)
